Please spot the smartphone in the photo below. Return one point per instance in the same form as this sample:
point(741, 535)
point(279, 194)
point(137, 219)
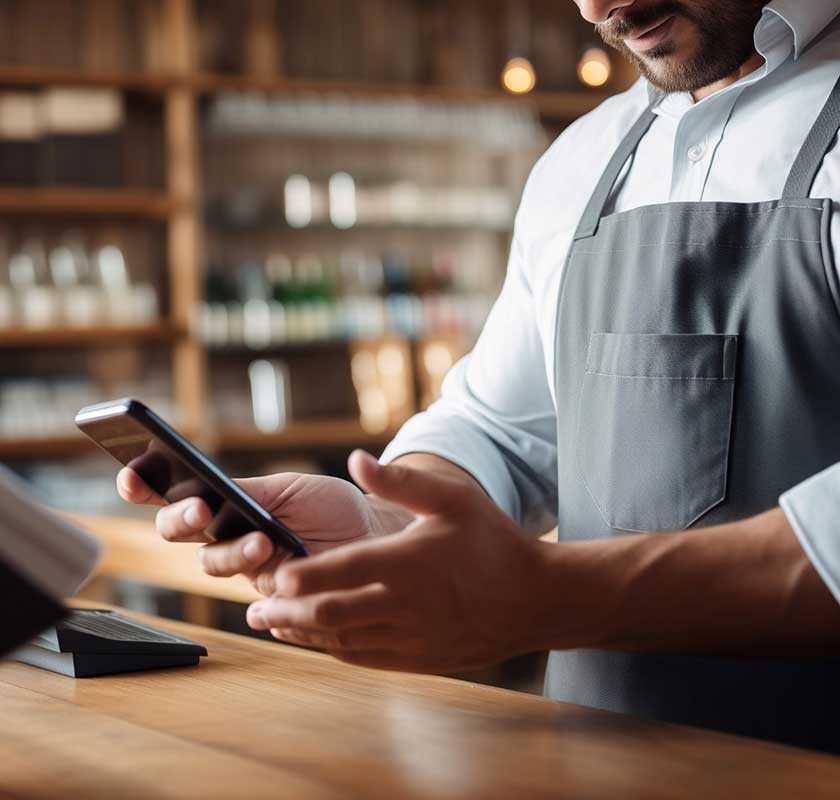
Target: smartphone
point(174, 468)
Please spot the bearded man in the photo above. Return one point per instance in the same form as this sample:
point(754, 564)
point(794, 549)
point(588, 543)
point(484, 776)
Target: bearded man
point(659, 378)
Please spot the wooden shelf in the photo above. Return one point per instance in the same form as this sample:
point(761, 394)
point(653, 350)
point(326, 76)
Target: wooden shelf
point(322, 434)
point(97, 336)
point(43, 77)
point(326, 433)
point(555, 104)
point(44, 446)
point(140, 203)
point(559, 105)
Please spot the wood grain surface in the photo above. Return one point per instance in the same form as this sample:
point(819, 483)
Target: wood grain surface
point(259, 719)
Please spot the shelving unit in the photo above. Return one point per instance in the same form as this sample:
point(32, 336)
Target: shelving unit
point(557, 105)
point(337, 433)
point(104, 203)
point(16, 76)
point(95, 336)
point(180, 86)
point(33, 447)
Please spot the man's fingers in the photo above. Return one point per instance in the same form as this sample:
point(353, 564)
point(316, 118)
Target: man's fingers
point(328, 611)
point(346, 567)
point(419, 491)
point(244, 555)
point(345, 641)
point(133, 489)
point(184, 521)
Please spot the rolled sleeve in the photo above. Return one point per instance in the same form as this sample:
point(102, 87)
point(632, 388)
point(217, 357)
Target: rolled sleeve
point(813, 509)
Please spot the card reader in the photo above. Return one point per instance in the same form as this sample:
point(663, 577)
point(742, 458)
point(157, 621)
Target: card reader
point(99, 642)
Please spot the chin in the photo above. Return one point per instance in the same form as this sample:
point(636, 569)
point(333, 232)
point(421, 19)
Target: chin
point(667, 69)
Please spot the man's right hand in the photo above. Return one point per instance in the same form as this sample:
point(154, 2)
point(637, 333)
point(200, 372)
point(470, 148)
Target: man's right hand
point(324, 512)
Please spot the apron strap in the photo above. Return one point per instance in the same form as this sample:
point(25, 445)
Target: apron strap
point(595, 208)
point(817, 144)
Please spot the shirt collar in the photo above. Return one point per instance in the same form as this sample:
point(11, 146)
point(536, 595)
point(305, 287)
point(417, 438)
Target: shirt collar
point(785, 26)
point(805, 18)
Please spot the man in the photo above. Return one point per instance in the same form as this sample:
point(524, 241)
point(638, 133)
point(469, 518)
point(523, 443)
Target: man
point(661, 358)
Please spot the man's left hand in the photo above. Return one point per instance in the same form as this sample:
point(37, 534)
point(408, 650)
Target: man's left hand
point(455, 590)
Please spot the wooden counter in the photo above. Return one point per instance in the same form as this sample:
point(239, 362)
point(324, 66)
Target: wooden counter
point(259, 719)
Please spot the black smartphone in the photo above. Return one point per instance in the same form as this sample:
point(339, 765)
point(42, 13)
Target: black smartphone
point(174, 468)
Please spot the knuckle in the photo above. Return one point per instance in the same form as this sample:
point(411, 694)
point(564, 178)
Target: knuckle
point(325, 613)
point(209, 562)
point(264, 583)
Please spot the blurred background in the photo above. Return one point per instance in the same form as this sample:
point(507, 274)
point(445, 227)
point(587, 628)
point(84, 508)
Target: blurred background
point(278, 223)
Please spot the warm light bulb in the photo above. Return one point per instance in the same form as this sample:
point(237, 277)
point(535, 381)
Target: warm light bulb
point(518, 76)
point(594, 67)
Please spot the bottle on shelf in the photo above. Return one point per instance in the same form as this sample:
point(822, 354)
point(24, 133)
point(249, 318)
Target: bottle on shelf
point(124, 301)
point(358, 296)
point(84, 302)
point(37, 299)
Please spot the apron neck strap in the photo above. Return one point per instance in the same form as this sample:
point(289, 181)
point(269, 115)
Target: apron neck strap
point(817, 144)
point(588, 224)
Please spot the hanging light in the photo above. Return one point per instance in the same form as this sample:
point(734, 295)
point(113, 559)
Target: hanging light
point(594, 67)
point(518, 76)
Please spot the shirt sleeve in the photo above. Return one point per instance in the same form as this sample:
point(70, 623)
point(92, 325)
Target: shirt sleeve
point(813, 509)
point(496, 416)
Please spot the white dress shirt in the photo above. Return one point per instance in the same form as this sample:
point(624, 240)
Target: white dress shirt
point(497, 410)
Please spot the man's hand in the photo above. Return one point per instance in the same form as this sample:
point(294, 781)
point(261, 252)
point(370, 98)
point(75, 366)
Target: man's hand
point(324, 512)
point(454, 590)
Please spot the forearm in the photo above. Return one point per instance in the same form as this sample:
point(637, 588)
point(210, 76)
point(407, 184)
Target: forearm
point(741, 588)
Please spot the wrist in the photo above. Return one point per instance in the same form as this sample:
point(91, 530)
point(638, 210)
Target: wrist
point(575, 599)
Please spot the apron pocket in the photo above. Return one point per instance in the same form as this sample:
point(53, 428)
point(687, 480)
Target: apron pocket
point(654, 426)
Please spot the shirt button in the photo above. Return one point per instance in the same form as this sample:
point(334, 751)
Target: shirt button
point(695, 153)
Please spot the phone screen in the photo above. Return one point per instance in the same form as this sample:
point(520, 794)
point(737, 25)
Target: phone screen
point(163, 471)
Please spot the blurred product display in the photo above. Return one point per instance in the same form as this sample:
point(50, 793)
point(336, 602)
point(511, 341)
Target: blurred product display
point(86, 487)
point(383, 379)
point(344, 205)
point(490, 125)
point(435, 356)
point(58, 399)
point(65, 283)
point(81, 140)
point(77, 137)
point(279, 224)
point(281, 302)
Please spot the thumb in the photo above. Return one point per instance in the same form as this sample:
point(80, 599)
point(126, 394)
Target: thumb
point(419, 491)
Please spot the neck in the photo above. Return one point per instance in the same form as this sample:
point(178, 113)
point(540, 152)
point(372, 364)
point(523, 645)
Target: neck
point(750, 65)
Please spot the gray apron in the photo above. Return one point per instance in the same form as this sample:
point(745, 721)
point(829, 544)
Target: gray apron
point(697, 378)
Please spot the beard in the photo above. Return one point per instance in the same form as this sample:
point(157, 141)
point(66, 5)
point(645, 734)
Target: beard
point(724, 43)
